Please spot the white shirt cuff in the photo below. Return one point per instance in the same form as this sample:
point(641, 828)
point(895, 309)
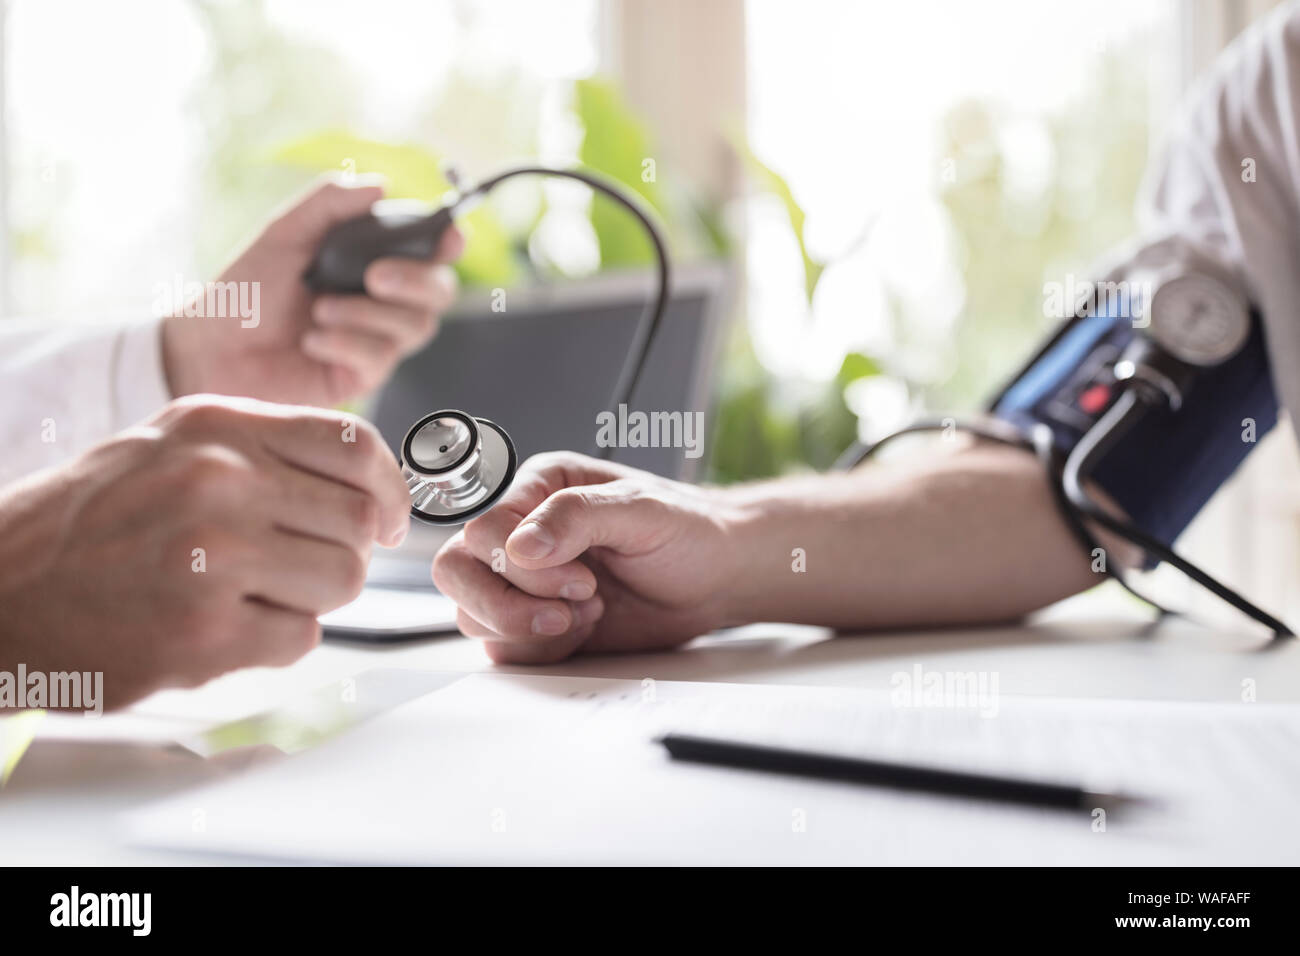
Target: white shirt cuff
point(138, 380)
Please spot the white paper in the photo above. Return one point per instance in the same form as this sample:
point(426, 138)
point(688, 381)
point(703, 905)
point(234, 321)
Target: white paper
point(499, 768)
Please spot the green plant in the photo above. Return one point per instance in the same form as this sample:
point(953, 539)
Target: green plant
point(762, 427)
point(761, 430)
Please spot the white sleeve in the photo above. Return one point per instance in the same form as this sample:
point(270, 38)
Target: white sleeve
point(65, 387)
point(1228, 183)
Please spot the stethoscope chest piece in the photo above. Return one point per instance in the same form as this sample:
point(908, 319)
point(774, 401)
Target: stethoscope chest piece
point(456, 467)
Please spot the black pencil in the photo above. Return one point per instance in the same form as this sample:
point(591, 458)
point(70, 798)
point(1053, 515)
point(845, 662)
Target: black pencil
point(888, 774)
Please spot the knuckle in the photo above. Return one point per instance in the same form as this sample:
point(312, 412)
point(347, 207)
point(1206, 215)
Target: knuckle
point(549, 459)
point(177, 407)
point(351, 573)
point(628, 491)
point(570, 503)
point(651, 507)
point(136, 443)
point(196, 415)
point(208, 474)
point(480, 536)
point(444, 563)
point(363, 515)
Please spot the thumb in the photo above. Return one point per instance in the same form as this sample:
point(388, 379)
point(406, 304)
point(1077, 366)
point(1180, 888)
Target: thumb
point(616, 515)
point(324, 206)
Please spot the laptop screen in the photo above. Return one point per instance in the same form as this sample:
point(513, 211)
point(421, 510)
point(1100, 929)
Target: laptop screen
point(546, 364)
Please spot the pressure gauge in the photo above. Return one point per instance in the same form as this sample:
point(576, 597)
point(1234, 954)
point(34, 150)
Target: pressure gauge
point(1198, 319)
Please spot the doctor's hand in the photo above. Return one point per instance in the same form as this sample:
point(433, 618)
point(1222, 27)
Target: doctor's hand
point(207, 539)
point(583, 554)
point(276, 340)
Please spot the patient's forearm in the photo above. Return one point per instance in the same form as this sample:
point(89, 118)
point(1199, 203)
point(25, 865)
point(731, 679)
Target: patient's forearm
point(969, 537)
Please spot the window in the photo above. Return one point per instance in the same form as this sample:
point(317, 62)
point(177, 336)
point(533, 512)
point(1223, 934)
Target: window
point(141, 137)
point(950, 157)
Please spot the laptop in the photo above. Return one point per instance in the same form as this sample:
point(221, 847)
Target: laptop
point(541, 362)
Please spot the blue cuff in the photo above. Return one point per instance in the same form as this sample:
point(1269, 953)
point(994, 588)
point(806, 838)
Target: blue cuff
point(1163, 471)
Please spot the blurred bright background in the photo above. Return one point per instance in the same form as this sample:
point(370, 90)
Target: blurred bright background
point(894, 182)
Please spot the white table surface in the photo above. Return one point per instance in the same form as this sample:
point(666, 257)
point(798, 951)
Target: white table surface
point(61, 804)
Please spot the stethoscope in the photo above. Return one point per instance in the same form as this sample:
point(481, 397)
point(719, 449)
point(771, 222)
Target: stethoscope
point(457, 466)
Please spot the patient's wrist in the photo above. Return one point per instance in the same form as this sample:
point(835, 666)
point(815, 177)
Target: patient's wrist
point(763, 556)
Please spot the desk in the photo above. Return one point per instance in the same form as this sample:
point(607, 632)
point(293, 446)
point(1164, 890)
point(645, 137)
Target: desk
point(61, 804)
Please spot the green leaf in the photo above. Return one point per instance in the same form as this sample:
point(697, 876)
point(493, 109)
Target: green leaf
point(617, 144)
point(411, 171)
point(856, 366)
point(772, 181)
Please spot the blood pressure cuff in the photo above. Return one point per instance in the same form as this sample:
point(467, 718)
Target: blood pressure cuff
point(1169, 465)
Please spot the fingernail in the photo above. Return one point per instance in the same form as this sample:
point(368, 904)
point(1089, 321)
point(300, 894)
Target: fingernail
point(587, 612)
point(577, 591)
point(550, 622)
point(532, 541)
point(313, 342)
point(401, 533)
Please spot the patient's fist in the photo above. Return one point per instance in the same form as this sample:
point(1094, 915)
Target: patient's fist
point(583, 554)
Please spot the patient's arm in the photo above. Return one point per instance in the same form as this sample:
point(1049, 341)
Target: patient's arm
point(967, 537)
point(595, 556)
